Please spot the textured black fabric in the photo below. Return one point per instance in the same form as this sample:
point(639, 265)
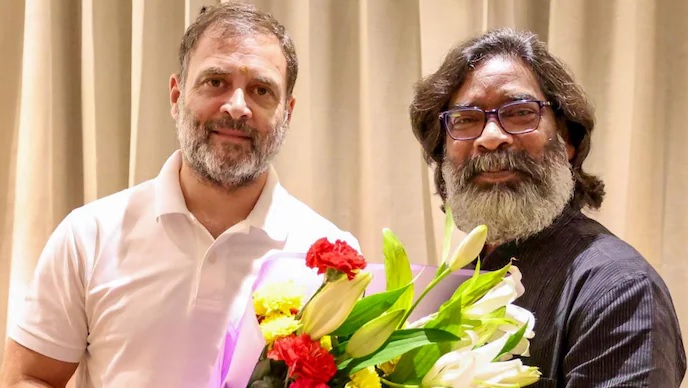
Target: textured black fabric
point(604, 317)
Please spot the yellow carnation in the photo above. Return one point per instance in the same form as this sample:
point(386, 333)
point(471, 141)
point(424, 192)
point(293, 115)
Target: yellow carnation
point(277, 325)
point(326, 342)
point(280, 297)
point(365, 378)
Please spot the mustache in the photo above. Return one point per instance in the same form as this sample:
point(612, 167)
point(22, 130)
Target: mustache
point(229, 123)
point(514, 160)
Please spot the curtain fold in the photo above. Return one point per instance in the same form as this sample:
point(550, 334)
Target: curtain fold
point(11, 41)
point(106, 60)
point(157, 28)
point(85, 110)
point(48, 172)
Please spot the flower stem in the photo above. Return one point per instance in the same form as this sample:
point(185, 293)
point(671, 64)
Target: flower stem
point(430, 286)
point(286, 378)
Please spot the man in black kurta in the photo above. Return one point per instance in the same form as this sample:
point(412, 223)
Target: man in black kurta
point(508, 129)
point(603, 315)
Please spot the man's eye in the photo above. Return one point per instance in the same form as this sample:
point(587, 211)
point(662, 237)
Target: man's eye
point(216, 83)
point(523, 112)
point(518, 112)
point(262, 91)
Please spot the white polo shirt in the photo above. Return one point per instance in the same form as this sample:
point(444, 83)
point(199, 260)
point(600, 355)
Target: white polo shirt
point(134, 288)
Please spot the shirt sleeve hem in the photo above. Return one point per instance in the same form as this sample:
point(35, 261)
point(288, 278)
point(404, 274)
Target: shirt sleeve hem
point(44, 347)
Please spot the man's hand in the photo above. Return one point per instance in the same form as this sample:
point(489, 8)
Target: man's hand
point(24, 368)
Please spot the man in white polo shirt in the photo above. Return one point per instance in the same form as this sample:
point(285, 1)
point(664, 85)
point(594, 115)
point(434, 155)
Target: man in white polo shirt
point(139, 288)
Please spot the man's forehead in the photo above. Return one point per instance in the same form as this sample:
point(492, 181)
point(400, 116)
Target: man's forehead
point(503, 65)
point(227, 38)
point(259, 52)
point(500, 78)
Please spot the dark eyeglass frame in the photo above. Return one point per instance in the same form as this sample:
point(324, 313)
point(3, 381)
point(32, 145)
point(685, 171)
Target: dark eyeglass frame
point(493, 112)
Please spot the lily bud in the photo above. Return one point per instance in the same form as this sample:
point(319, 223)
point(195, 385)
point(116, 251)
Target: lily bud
point(330, 307)
point(369, 337)
point(469, 248)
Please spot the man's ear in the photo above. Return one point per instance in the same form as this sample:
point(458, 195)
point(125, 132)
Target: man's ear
point(570, 151)
point(291, 102)
point(175, 94)
point(564, 131)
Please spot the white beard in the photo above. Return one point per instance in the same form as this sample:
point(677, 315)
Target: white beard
point(511, 212)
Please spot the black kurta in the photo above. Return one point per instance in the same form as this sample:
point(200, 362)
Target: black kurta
point(603, 316)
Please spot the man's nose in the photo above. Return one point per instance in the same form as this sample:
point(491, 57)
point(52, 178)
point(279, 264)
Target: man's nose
point(494, 137)
point(236, 105)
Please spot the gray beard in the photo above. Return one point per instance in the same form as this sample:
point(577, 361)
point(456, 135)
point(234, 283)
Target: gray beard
point(228, 165)
point(514, 211)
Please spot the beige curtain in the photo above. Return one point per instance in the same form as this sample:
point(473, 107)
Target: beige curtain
point(85, 112)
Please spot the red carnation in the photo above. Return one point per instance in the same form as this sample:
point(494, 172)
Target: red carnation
point(305, 358)
point(307, 383)
point(339, 256)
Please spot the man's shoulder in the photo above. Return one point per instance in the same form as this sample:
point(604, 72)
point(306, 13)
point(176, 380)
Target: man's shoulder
point(605, 261)
point(594, 247)
point(112, 209)
point(607, 255)
point(309, 225)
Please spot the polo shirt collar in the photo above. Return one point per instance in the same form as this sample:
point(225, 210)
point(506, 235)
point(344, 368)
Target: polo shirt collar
point(270, 214)
point(168, 192)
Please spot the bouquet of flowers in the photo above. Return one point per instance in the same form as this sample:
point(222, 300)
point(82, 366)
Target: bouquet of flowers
point(341, 337)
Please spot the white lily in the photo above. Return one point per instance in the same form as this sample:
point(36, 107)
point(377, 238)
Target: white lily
point(499, 374)
point(517, 277)
point(468, 367)
point(469, 340)
point(522, 317)
point(454, 369)
point(499, 296)
point(488, 352)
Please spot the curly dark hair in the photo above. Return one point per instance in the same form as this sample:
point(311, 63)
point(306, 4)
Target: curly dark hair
point(238, 19)
point(574, 112)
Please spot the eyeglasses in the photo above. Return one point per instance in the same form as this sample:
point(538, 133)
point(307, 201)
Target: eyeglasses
point(515, 118)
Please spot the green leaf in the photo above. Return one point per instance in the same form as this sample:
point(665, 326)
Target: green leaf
point(368, 308)
point(399, 343)
point(397, 268)
point(470, 282)
point(446, 242)
point(513, 340)
point(475, 288)
point(413, 365)
point(448, 317)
